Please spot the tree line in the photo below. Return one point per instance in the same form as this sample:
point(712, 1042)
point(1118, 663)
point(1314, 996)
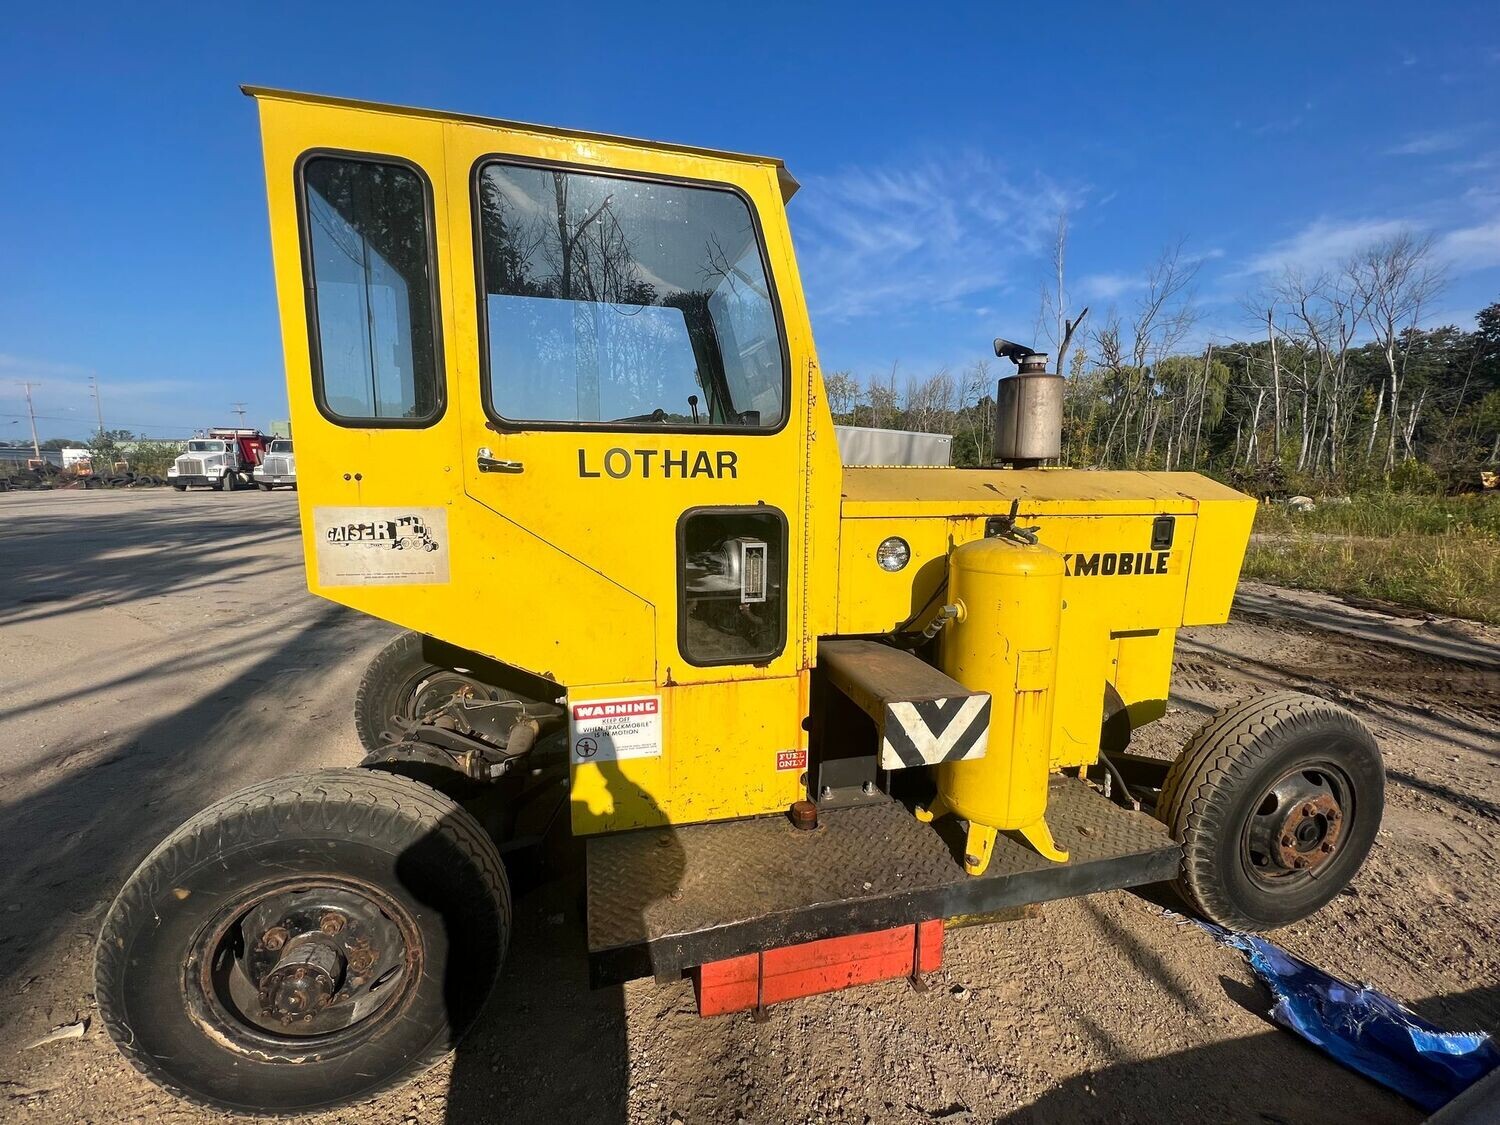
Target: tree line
point(1340, 386)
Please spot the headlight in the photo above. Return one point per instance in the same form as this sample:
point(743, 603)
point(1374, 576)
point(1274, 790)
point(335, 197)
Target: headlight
point(893, 553)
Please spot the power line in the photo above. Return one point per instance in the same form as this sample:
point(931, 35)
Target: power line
point(126, 425)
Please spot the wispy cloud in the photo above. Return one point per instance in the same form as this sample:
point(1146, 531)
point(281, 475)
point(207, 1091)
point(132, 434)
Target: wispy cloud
point(1427, 144)
point(1285, 125)
point(1107, 286)
point(1470, 248)
point(878, 241)
point(1321, 244)
point(1472, 244)
point(20, 367)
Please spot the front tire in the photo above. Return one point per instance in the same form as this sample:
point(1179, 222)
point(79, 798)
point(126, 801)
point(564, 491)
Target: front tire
point(1276, 803)
point(304, 943)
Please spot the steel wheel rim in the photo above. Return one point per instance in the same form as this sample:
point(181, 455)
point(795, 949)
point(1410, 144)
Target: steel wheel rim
point(1298, 826)
point(230, 961)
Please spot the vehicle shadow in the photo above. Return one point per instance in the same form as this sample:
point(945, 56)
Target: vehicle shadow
point(547, 1047)
point(85, 558)
point(71, 843)
point(1270, 1077)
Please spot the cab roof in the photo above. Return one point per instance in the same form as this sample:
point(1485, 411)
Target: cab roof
point(787, 181)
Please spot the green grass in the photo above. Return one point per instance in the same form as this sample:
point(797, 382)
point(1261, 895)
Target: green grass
point(1426, 552)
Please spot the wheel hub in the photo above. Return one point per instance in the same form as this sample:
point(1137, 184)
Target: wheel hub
point(304, 980)
point(310, 960)
point(1297, 826)
point(1309, 833)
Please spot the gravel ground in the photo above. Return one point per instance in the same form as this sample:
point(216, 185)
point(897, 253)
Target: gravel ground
point(159, 650)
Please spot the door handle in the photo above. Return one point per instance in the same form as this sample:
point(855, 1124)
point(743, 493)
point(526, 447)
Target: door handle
point(488, 464)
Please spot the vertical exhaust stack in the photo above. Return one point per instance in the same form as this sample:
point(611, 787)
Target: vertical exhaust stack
point(1028, 410)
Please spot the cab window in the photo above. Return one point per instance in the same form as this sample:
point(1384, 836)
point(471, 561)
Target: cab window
point(624, 303)
point(370, 291)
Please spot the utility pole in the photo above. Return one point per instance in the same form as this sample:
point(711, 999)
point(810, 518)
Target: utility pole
point(98, 405)
point(239, 408)
point(36, 448)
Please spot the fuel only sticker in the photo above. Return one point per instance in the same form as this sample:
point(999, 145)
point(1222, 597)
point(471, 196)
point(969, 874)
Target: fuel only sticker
point(381, 546)
point(610, 730)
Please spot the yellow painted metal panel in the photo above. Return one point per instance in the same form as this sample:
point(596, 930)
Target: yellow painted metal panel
point(729, 750)
point(872, 600)
point(1223, 535)
point(1143, 673)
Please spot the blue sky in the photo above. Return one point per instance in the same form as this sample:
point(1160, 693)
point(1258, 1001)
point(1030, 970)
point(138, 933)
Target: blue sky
point(935, 144)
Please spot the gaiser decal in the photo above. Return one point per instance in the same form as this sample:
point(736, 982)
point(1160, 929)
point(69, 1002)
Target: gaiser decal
point(381, 546)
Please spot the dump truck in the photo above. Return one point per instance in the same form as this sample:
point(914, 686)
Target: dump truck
point(224, 459)
point(561, 421)
point(278, 467)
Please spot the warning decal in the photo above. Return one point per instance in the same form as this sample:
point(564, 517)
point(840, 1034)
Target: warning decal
point(609, 730)
point(791, 759)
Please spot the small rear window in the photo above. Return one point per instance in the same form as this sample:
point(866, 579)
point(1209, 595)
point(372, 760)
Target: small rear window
point(371, 293)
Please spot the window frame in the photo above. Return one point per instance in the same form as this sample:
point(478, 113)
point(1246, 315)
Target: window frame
point(310, 290)
point(481, 297)
point(679, 574)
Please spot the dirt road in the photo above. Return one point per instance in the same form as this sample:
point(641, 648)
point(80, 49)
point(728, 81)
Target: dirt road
point(159, 650)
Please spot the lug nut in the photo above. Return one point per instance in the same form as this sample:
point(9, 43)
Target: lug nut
point(1327, 846)
point(1309, 810)
point(1299, 862)
point(331, 923)
point(1287, 841)
point(274, 938)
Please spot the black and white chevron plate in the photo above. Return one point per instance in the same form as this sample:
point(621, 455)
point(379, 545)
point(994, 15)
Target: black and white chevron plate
point(929, 731)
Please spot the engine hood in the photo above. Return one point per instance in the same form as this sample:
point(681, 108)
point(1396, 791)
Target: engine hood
point(883, 492)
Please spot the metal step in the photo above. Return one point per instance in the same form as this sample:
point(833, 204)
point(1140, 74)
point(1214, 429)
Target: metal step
point(923, 716)
point(663, 900)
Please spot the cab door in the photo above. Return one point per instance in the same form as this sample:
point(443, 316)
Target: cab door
point(626, 397)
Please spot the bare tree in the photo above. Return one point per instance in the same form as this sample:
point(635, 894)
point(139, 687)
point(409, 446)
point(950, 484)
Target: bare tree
point(842, 390)
point(1060, 328)
point(1394, 279)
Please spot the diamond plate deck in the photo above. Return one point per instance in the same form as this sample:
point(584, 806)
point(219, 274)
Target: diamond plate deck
point(663, 900)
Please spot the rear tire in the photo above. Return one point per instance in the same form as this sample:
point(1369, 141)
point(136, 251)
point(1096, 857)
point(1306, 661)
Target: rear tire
point(1276, 802)
point(195, 964)
point(400, 683)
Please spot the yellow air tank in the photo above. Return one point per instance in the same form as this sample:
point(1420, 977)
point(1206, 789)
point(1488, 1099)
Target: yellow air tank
point(1008, 594)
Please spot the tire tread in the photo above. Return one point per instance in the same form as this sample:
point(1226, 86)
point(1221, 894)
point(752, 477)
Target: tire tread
point(265, 810)
point(1203, 778)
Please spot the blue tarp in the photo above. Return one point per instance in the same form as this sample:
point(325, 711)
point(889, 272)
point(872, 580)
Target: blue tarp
point(1366, 1030)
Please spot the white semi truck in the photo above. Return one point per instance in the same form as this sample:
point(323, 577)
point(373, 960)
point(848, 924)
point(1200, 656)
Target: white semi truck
point(224, 460)
point(278, 466)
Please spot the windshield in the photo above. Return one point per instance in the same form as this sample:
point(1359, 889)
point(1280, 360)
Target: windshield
point(622, 300)
point(205, 447)
point(280, 447)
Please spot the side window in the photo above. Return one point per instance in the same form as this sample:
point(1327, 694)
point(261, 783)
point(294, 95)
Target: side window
point(732, 580)
point(371, 293)
point(623, 302)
